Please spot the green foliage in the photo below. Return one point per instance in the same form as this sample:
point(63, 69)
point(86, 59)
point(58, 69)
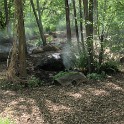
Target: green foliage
point(38, 42)
point(34, 82)
point(5, 85)
point(96, 76)
point(49, 39)
point(82, 61)
point(5, 121)
point(109, 67)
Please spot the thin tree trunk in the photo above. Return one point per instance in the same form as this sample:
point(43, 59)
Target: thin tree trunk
point(39, 11)
point(95, 17)
point(76, 24)
point(68, 27)
point(40, 26)
point(101, 49)
point(90, 35)
point(81, 25)
point(6, 12)
point(102, 36)
point(88, 12)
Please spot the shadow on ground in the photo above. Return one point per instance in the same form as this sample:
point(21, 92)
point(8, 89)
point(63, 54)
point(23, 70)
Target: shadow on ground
point(96, 103)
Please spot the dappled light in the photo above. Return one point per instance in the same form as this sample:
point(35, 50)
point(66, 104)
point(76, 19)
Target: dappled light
point(75, 95)
point(61, 61)
point(98, 92)
point(94, 103)
point(56, 107)
point(114, 87)
point(23, 110)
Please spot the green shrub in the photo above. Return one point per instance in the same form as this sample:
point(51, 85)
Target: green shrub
point(50, 39)
point(96, 76)
point(34, 81)
point(5, 85)
point(109, 67)
point(38, 42)
point(82, 61)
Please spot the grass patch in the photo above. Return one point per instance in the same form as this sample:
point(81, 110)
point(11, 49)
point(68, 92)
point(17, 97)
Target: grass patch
point(6, 121)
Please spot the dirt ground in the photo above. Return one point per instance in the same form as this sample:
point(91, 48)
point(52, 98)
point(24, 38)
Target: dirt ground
point(100, 102)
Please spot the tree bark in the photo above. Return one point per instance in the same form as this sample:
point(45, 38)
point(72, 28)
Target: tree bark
point(68, 27)
point(21, 38)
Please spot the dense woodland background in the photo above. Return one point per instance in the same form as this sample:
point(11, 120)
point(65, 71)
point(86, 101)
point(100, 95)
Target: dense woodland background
point(66, 43)
point(98, 26)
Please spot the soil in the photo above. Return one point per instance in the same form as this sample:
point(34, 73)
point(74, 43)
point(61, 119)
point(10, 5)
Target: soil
point(96, 102)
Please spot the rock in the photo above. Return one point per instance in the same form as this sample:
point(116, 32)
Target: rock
point(46, 35)
point(37, 50)
point(3, 56)
point(50, 48)
point(5, 46)
point(122, 60)
point(4, 41)
point(71, 78)
point(50, 62)
point(54, 34)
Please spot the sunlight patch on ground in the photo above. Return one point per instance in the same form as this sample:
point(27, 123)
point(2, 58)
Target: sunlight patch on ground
point(98, 92)
point(75, 95)
point(11, 93)
point(55, 107)
point(114, 87)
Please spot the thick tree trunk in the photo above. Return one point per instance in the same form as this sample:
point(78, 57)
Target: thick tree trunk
point(17, 57)
point(39, 23)
point(21, 38)
point(68, 27)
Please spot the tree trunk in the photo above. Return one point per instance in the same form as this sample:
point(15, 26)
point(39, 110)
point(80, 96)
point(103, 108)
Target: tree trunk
point(101, 49)
point(95, 17)
point(6, 12)
point(21, 38)
point(17, 64)
point(102, 36)
point(76, 24)
point(68, 27)
point(90, 35)
point(39, 23)
point(88, 12)
point(81, 25)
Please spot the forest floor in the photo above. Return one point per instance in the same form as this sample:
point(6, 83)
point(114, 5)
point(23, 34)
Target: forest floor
point(100, 102)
